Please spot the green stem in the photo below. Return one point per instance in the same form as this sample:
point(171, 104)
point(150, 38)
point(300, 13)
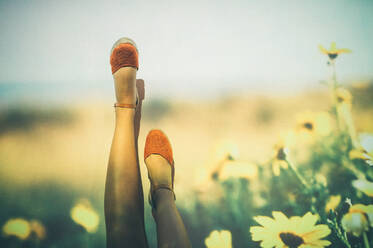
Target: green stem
point(303, 181)
point(333, 88)
point(334, 74)
point(340, 234)
point(366, 241)
point(297, 174)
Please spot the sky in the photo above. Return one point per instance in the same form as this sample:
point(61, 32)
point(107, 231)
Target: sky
point(185, 47)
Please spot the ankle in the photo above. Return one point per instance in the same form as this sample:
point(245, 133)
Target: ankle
point(124, 114)
point(163, 196)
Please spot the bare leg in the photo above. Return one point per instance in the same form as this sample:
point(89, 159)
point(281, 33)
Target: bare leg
point(171, 232)
point(124, 201)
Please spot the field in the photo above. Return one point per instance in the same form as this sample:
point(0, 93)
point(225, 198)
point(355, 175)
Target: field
point(237, 157)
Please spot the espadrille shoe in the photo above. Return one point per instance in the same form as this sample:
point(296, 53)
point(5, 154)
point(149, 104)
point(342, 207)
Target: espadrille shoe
point(124, 53)
point(158, 143)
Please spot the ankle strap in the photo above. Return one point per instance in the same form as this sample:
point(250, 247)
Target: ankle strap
point(124, 105)
point(163, 186)
point(152, 193)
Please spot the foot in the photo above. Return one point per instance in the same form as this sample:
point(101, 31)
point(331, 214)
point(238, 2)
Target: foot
point(159, 170)
point(124, 63)
point(160, 164)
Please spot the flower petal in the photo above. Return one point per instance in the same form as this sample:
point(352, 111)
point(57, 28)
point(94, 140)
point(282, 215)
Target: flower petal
point(264, 221)
point(259, 233)
point(364, 186)
point(323, 50)
point(319, 232)
point(280, 218)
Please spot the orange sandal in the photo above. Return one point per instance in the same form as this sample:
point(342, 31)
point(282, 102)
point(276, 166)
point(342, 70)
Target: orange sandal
point(158, 143)
point(124, 53)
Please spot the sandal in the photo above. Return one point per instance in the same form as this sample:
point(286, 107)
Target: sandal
point(158, 143)
point(124, 53)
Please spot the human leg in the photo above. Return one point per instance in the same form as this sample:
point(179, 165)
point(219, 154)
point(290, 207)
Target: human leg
point(124, 201)
point(171, 231)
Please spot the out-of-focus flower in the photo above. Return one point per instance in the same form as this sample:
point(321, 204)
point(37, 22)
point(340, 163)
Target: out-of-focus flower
point(333, 52)
point(333, 202)
point(361, 85)
point(38, 229)
point(238, 169)
point(219, 239)
point(343, 96)
point(366, 141)
point(279, 158)
point(300, 232)
point(17, 227)
point(356, 221)
point(258, 200)
point(226, 149)
point(363, 185)
point(314, 123)
point(361, 154)
point(83, 214)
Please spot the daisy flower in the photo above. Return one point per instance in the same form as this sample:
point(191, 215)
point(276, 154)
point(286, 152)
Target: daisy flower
point(357, 220)
point(219, 239)
point(332, 203)
point(363, 185)
point(333, 52)
point(83, 214)
point(314, 123)
point(294, 232)
point(279, 159)
point(17, 227)
point(343, 96)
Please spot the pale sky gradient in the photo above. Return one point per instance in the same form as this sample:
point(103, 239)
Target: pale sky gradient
point(186, 46)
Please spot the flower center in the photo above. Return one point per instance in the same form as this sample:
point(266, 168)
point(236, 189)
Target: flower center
point(291, 240)
point(308, 125)
point(332, 55)
point(281, 155)
point(340, 99)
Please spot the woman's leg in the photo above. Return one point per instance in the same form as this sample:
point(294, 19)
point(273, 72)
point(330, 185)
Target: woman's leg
point(170, 227)
point(171, 231)
point(124, 201)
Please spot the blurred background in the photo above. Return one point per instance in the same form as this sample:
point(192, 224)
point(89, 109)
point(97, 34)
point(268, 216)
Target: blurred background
point(225, 80)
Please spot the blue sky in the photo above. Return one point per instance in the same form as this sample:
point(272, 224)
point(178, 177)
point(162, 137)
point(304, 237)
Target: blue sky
point(186, 46)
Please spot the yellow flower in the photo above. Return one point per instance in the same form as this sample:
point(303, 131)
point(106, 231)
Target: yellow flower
point(219, 239)
point(343, 96)
point(333, 52)
point(364, 186)
point(83, 214)
point(360, 85)
point(314, 123)
point(226, 149)
point(17, 227)
point(356, 220)
point(332, 203)
point(38, 229)
point(279, 158)
point(296, 232)
point(237, 169)
point(361, 154)
point(366, 141)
